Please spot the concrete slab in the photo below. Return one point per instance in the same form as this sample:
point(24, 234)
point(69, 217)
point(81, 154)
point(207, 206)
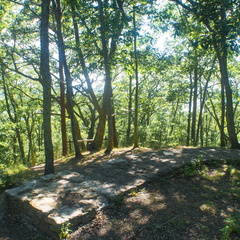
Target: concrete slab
point(70, 196)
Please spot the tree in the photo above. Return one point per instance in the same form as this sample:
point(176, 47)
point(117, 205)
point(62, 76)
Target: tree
point(222, 31)
point(46, 84)
point(98, 140)
point(135, 135)
point(12, 110)
point(63, 61)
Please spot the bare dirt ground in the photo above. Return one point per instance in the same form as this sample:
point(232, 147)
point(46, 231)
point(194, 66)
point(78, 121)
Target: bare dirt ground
point(205, 205)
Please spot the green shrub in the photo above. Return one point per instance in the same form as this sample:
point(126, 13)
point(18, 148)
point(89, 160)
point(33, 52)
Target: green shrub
point(232, 226)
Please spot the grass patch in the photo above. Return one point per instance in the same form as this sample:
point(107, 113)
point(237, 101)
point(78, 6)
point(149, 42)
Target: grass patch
point(13, 175)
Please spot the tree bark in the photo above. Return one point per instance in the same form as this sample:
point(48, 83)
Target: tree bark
point(202, 103)
point(46, 83)
point(229, 103)
point(194, 114)
point(135, 135)
point(63, 108)
point(222, 124)
point(222, 54)
point(129, 110)
point(107, 97)
point(189, 112)
point(68, 78)
point(98, 140)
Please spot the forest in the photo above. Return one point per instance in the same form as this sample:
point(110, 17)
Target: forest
point(85, 75)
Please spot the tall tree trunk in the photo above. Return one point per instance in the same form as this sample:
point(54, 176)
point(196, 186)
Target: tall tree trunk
point(115, 139)
point(63, 108)
point(174, 114)
point(229, 103)
point(203, 99)
point(107, 97)
point(98, 140)
point(12, 115)
point(20, 144)
point(46, 83)
point(189, 112)
point(129, 110)
point(92, 123)
point(222, 55)
point(194, 114)
point(222, 124)
point(68, 78)
point(135, 135)
point(31, 156)
point(221, 49)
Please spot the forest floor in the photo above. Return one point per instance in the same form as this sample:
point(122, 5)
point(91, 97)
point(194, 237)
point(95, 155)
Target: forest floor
point(200, 201)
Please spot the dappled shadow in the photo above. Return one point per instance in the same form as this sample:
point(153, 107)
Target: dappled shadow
point(168, 208)
point(98, 180)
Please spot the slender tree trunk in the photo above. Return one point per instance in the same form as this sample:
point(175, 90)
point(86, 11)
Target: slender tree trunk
point(46, 83)
point(135, 135)
point(31, 156)
point(229, 103)
point(63, 109)
point(20, 144)
point(107, 98)
point(222, 124)
point(12, 116)
point(115, 140)
point(189, 112)
point(207, 130)
point(68, 78)
point(200, 125)
point(92, 123)
point(174, 114)
point(194, 114)
point(98, 140)
point(222, 54)
point(129, 111)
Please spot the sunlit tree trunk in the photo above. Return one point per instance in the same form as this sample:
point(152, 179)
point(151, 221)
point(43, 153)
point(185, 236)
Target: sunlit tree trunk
point(46, 83)
point(202, 104)
point(68, 78)
point(99, 136)
point(63, 108)
point(107, 97)
point(194, 113)
point(222, 124)
point(129, 110)
point(189, 112)
point(135, 135)
point(222, 54)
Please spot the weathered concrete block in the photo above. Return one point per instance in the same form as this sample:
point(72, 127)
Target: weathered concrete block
point(48, 203)
point(3, 205)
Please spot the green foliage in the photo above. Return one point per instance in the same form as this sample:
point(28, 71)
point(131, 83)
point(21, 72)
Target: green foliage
point(118, 202)
point(193, 167)
point(13, 175)
point(65, 230)
point(232, 225)
point(164, 74)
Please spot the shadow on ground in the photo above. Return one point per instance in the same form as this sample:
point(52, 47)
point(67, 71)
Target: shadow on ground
point(157, 207)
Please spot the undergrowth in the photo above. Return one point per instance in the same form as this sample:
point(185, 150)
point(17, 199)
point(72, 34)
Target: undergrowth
point(13, 175)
